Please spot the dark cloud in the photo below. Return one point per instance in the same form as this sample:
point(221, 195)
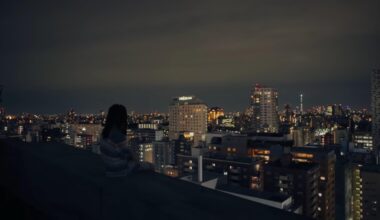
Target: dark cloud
point(88, 54)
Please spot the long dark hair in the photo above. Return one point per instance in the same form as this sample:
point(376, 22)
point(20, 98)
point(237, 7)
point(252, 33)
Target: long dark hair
point(116, 118)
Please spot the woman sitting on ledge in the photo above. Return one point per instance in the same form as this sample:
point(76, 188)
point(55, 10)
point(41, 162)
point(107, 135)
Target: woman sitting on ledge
point(118, 158)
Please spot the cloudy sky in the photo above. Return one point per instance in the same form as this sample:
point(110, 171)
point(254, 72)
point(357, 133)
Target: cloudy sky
point(89, 54)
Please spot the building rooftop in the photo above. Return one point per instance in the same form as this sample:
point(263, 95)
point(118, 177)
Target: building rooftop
point(207, 176)
point(220, 157)
point(63, 182)
point(184, 100)
point(277, 197)
point(371, 168)
point(313, 149)
point(293, 165)
point(263, 134)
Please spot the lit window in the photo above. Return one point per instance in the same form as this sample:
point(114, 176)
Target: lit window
point(257, 167)
point(323, 178)
point(303, 155)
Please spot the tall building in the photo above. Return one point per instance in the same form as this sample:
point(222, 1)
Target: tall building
point(1, 94)
point(299, 180)
point(365, 192)
point(375, 105)
point(163, 155)
point(264, 104)
point(344, 193)
point(362, 142)
point(371, 192)
point(301, 104)
point(188, 116)
point(2, 111)
point(357, 203)
point(145, 152)
point(182, 146)
point(326, 191)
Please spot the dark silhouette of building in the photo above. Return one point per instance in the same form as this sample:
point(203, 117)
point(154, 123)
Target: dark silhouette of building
point(326, 159)
point(294, 179)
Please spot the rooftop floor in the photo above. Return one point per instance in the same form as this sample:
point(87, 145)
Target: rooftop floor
point(62, 182)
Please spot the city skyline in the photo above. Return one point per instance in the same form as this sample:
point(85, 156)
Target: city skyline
point(209, 109)
point(141, 54)
point(83, 107)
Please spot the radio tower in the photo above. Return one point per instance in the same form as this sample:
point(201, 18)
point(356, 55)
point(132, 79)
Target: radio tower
point(301, 104)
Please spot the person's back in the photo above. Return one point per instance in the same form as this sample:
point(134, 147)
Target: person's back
point(118, 159)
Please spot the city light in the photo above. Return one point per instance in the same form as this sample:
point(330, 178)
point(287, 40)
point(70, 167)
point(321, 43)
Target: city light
point(175, 110)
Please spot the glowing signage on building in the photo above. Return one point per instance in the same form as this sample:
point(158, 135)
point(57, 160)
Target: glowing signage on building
point(185, 98)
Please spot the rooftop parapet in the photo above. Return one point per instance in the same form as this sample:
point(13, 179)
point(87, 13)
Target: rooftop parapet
point(64, 182)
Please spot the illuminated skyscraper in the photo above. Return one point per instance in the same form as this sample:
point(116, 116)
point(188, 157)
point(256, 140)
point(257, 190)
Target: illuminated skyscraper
point(264, 104)
point(301, 104)
point(1, 94)
point(2, 111)
point(375, 104)
point(188, 116)
point(371, 192)
point(365, 193)
point(356, 195)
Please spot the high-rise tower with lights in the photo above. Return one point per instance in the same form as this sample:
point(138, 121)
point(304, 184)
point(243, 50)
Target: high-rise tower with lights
point(264, 104)
point(188, 116)
point(2, 111)
point(375, 105)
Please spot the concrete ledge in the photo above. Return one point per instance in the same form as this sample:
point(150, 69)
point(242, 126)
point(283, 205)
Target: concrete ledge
point(63, 182)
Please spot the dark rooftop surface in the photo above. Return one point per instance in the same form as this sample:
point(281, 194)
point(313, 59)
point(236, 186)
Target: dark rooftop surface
point(313, 149)
point(293, 165)
point(57, 181)
point(250, 134)
point(232, 159)
point(371, 168)
point(207, 176)
point(277, 197)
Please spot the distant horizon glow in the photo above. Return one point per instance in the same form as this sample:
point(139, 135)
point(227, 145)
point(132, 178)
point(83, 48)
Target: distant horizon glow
point(57, 56)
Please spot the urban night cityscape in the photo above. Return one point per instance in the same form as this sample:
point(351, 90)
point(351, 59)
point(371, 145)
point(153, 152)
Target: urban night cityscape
point(209, 109)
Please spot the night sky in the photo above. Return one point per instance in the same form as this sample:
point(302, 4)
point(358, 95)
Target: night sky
point(88, 54)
